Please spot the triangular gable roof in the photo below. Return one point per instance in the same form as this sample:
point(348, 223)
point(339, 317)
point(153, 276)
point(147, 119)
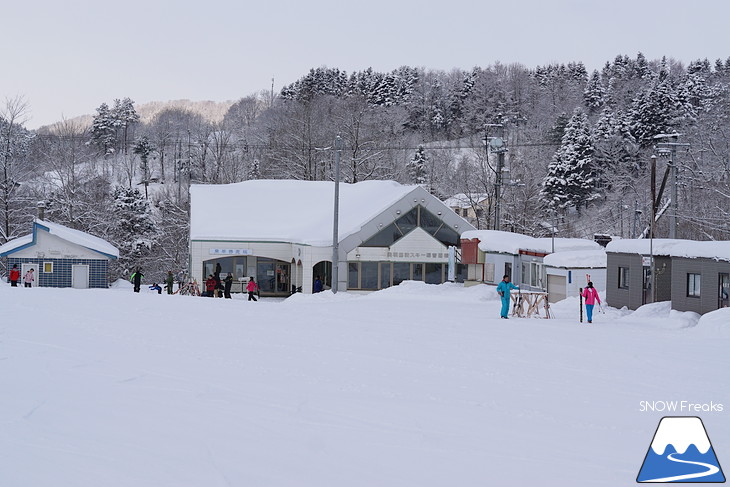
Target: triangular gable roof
point(287, 210)
point(77, 237)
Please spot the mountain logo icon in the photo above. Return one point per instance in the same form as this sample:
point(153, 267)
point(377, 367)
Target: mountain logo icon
point(681, 452)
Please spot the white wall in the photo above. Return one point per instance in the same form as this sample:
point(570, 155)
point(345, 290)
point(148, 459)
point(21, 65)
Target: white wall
point(578, 277)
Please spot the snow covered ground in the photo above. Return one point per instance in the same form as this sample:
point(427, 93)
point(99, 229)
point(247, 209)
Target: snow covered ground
point(416, 385)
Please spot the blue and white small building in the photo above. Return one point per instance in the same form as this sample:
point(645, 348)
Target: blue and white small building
point(61, 256)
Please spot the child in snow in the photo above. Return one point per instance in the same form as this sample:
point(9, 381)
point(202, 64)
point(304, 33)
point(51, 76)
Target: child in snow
point(591, 296)
point(156, 287)
point(29, 278)
point(252, 287)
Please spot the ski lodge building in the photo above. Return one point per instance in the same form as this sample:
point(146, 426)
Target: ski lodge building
point(61, 256)
point(281, 232)
point(530, 262)
point(693, 275)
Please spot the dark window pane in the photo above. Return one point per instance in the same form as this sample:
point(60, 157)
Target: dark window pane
point(433, 273)
point(369, 275)
point(384, 275)
point(429, 222)
point(384, 238)
point(408, 222)
point(401, 272)
point(353, 275)
point(447, 236)
point(418, 272)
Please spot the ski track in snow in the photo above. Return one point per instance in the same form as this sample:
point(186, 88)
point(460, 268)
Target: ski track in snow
point(711, 470)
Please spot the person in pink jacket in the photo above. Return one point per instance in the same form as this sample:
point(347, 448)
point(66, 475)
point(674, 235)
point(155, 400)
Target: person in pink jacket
point(591, 296)
point(252, 287)
point(29, 278)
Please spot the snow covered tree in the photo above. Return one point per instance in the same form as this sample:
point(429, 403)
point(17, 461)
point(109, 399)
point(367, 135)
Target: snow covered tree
point(143, 148)
point(572, 179)
point(594, 93)
point(14, 144)
point(103, 131)
point(658, 109)
point(417, 166)
point(134, 231)
point(255, 172)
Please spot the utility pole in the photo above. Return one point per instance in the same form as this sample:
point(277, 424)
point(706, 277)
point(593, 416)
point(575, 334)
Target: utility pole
point(335, 230)
point(670, 149)
point(652, 268)
point(496, 145)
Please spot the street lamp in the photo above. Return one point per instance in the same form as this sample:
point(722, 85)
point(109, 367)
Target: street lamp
point(335, 229)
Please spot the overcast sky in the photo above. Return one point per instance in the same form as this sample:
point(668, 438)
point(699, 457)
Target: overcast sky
point(66, 58)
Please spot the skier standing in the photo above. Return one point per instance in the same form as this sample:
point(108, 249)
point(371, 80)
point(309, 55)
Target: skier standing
point(28, 278)
point(14, 275)
point(591, 296)
point(137, 279)
point(169, 282)
point(227, 284)
point(503, 289)
point(252, 287)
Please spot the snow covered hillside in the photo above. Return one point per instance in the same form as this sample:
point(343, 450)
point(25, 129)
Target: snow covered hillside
point(414, 385)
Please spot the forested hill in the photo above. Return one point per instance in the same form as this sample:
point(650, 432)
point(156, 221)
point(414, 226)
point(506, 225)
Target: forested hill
point(579, 149)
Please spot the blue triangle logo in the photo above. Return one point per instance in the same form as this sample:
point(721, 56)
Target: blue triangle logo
point(681, 452)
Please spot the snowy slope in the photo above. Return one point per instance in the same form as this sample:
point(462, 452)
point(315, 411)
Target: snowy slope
point(414, 385)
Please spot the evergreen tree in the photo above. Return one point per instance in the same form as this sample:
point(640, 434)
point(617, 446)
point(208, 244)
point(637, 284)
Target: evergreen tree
point(255, 172)
point(134, 232)
point(658, 109)
point(572, 177)
point(143, 148)
point(417, 166)
point(103, 130)
point(594, 93)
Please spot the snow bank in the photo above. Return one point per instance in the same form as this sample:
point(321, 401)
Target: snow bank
point(716, 322)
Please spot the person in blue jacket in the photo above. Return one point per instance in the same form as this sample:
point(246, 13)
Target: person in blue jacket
point(503, 289)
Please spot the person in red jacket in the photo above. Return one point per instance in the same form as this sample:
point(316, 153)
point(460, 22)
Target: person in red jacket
point(14, 275)
point(252, 287)
point(591, 296)
point(210, 285)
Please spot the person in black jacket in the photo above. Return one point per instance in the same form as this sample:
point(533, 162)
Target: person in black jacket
point(137, 279)
point(228, 282)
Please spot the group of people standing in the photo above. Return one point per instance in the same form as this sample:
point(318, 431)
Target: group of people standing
point(14, 277)
point(214, 285)
point(505, 287)
point(137, 276)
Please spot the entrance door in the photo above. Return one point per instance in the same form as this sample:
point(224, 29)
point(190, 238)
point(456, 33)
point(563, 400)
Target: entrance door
point(80, 276)
point(556, 288)
point(724, 295)
point(24, 268)
point(648, 295)
point(283, 281)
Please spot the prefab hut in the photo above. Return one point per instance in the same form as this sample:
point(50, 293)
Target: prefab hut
point(61, 256)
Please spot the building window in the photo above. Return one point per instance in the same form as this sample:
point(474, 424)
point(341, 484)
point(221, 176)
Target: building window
point(623, 277)
point(693, 285)
point(48, 267)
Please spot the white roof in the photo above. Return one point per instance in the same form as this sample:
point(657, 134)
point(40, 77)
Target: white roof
point(715, 249)
point(463, 200)
point(577, 259)
point(287, 210)
point(69, 234)
point(512, 243)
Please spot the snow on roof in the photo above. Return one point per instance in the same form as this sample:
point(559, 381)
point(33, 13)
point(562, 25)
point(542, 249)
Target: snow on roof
point(287, 210)
point(512, 243)
point(15, 243)
point(711, 249)
point(69, 234)
point(577, 259)
point(463, 200)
